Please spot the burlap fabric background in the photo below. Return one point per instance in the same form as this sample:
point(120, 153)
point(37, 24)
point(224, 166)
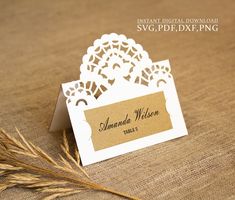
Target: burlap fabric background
point(41, 46)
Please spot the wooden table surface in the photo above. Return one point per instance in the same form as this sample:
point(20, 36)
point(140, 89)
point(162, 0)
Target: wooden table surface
point(41, 46)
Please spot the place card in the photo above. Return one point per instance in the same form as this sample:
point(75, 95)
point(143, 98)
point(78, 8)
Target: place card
point(122, 102)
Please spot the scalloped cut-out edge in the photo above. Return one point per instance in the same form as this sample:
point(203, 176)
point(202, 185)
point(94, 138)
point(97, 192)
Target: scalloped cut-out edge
point(107, 38)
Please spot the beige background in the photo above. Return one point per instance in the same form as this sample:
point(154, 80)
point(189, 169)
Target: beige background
point(41, 46)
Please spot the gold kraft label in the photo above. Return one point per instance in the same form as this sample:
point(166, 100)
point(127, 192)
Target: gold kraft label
point(128, 120)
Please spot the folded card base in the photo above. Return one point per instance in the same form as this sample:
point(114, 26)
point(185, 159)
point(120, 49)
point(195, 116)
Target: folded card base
point(60, 119)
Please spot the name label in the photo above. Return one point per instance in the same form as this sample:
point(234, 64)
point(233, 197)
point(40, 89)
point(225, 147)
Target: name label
point(128, 120)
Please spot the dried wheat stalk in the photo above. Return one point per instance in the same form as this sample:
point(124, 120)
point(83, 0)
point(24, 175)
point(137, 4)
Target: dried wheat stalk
point(23, 164)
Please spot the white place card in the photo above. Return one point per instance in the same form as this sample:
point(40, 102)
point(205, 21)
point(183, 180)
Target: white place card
point(122, 102)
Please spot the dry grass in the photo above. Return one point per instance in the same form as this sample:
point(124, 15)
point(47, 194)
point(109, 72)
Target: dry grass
point(24, 164)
